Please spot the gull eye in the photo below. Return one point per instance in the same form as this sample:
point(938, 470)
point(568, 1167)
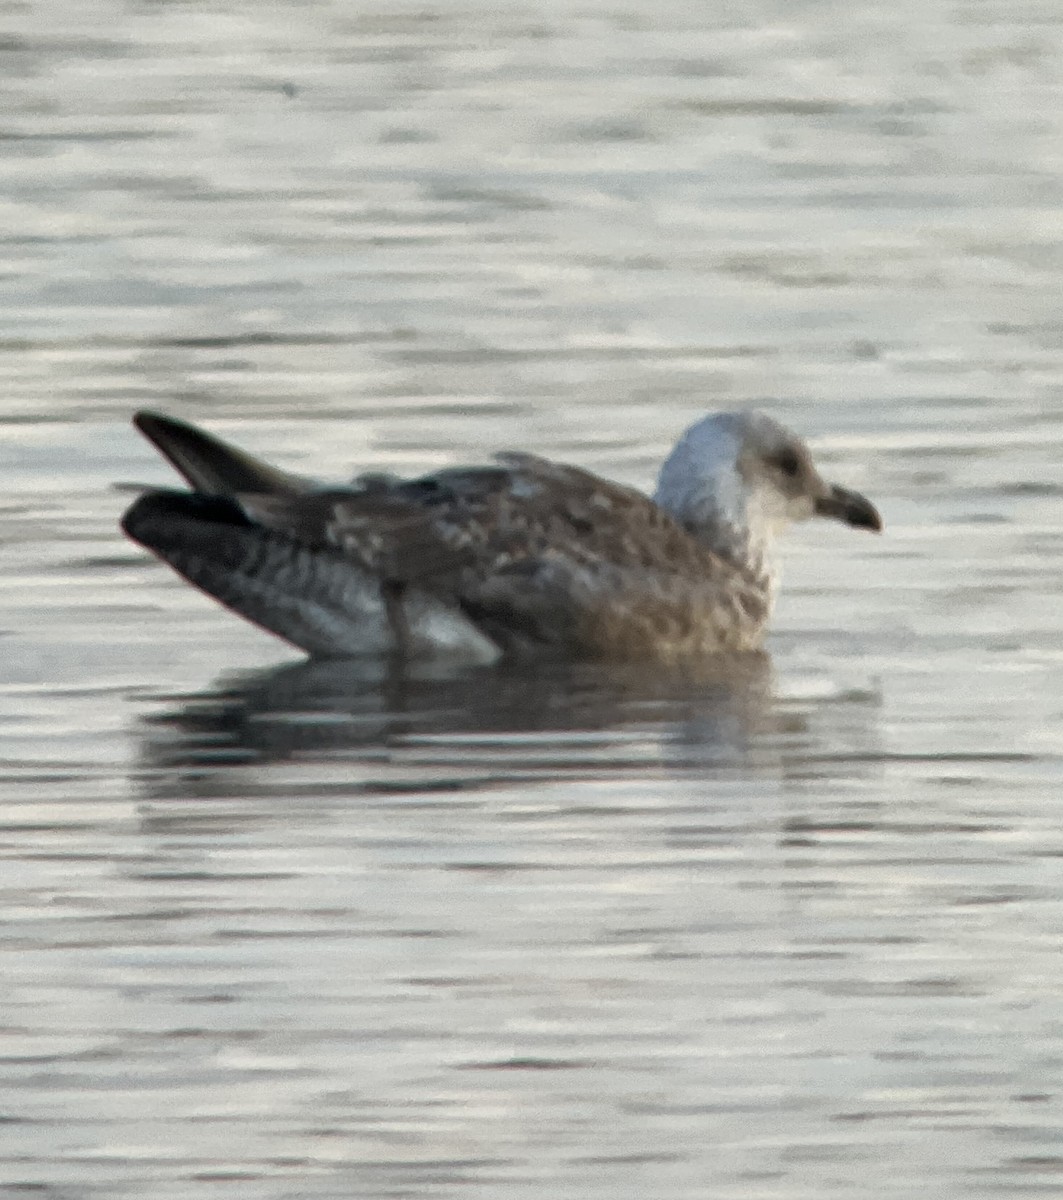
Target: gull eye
point(788, 463)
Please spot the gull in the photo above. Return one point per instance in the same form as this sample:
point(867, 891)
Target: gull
point(524, 558)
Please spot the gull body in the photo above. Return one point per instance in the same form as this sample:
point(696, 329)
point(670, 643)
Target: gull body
point(524, 557)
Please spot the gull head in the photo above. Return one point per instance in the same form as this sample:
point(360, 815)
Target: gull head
point(737, 480)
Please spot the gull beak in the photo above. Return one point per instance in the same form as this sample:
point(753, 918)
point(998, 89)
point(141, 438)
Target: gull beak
point(850, 507)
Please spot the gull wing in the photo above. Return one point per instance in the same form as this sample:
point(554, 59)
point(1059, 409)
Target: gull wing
point(212, 465)
point(539, 556)
point(277, 571)
point(527, 556)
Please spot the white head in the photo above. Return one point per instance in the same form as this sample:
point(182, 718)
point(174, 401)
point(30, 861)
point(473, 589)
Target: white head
point(736, 480)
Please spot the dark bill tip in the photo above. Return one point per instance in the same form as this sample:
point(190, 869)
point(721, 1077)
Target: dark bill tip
point(850, 507)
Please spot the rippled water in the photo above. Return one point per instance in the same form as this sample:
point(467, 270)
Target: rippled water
point(273, 930)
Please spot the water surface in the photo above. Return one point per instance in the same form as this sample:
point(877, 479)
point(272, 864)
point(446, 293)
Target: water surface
point(788, 932)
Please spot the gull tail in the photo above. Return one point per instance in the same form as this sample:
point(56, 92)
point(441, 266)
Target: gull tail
point(311, 597)
point(239, 539)
point(213, 466)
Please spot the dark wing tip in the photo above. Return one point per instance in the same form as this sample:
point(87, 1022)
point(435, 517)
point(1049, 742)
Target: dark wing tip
point(211, 464)
point(145, 420)
point(154, 518)
point(155, 425)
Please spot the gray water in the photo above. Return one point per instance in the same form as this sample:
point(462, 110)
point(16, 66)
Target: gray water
point(274, 931)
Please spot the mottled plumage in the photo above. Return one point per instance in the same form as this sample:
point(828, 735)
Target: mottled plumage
point(525, 557)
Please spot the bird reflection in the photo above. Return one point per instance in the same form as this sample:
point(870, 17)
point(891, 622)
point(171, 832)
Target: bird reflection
point(559, 717)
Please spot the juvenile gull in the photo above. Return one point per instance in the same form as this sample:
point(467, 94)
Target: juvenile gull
point(527, 557)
